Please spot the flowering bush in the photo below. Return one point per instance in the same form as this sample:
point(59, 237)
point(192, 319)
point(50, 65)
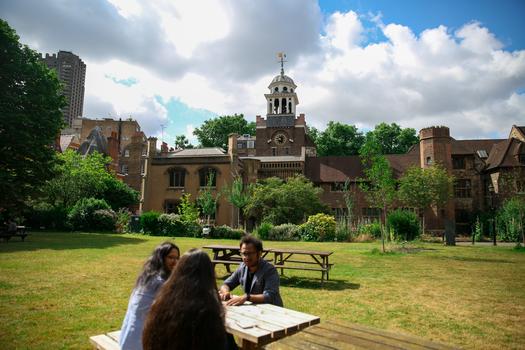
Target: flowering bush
point(319, 227)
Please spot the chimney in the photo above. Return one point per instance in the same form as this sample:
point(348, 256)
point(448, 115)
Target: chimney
point(152, 146)
point(232, 145)
point(164, 148)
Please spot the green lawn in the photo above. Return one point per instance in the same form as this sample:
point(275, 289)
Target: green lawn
point(57, 289)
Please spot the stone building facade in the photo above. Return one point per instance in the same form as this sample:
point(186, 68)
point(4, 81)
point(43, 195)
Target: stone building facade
point(485, 171)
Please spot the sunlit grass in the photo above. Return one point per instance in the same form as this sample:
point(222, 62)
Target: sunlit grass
point(57, 289)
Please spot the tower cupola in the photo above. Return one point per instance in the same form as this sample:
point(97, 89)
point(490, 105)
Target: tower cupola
point(282, 98)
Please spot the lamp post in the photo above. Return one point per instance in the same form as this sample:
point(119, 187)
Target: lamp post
point(493, 212)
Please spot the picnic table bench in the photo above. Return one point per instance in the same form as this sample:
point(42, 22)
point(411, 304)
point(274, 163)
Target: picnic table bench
point(345, 336)
point(21, 231)
point(294, 259)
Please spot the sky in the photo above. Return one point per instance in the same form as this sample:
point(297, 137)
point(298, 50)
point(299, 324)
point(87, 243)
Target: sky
point(174, 64)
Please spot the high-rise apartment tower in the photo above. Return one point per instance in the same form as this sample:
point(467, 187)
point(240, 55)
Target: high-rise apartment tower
point(71, 71)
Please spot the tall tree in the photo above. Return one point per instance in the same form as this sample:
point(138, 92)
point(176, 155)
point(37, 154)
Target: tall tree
point(422, 188)
point(392, 139)
point(379, 185)
point(339, 140)
point(238, 197)
point(182, 142)
point(214, 132)
point(207, 200)
point(281, 202)
point(30, 120)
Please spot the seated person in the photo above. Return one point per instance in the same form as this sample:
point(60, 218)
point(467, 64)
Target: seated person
point(259, 278)
point(187, 313)
point(155, 272)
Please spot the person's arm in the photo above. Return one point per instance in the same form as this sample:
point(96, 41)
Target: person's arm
point(270, 292)
point(229, 284)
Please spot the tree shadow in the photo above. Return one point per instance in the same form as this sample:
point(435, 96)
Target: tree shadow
point(310, 283)
point(67, 240)
point(469, 259)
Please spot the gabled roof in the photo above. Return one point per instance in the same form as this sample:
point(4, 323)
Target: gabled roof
point(505, 154)
point(463, 147)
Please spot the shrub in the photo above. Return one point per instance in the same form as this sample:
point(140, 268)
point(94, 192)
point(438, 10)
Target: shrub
point(123, 220)
point(103, 220)
point(319, 227)
point(511, 220)
point(373, 230)
point(263, 231)
point(192, 229)
point(225, 231)
point(44, 215)
point(81, 215)
point(285, 232)
point(343, 233)
point(171, 225)
point(150, 222)
point(404, 224)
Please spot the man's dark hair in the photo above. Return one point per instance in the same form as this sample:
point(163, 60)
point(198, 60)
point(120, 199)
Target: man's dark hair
point(248, 239)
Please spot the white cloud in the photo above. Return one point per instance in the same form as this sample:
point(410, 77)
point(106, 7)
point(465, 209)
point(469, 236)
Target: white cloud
point(220, 56)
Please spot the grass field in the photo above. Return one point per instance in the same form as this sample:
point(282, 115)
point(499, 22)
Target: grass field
point(57, 289)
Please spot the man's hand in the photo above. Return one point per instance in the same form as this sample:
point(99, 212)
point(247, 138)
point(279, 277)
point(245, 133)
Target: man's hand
point(224, 295)
point(236, 300)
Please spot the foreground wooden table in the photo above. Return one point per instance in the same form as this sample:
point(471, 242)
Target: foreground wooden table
point(259, 324)
point(337, 335)
point(254, 325)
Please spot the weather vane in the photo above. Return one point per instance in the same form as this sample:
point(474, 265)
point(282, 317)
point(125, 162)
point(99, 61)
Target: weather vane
point(281, 56)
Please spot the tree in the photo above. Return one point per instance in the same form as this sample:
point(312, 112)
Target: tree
point(206, 200)
point(80, 177)
point(279, 202)
point(181, 142)
point(379, 185)
point(422, 188)
point(238, 197)
point(339, 140)
point(214, 132)
point(313, 133)
point(30, 120)
point(392, 139)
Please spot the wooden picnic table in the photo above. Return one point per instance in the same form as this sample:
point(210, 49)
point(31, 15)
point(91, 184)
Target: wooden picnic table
point(337, 335)
point(253, 324)
point(259, 324)
point(283, 258)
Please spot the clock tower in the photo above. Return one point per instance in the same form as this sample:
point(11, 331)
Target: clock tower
point(282, 133)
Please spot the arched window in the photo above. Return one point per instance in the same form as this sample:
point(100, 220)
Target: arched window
point(207, 176)
point(285, 89)
point(177, 177)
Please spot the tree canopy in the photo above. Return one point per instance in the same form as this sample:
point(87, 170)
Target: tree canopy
point(392, 139)
point(279, 202)
point(421, 188)
point(214, 132)
point(84, 177)
point(30, 120)
point(339, 140)
point(182, 142)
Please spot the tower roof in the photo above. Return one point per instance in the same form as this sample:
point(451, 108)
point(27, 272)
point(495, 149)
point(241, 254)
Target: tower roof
point(282, 78)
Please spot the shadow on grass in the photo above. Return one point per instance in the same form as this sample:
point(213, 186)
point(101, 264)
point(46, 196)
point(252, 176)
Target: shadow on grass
point(67, 240)
point(310, 283)
point(470, 259)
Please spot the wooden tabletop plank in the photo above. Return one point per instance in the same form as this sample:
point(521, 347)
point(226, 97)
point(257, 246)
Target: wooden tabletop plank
point(276, 330)
point(103, 342)
point(114, 335)
point(255, 335)
point(311, 319)
point(287, 323)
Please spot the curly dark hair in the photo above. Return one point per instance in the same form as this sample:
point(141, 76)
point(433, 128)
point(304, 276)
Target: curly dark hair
point(248, 239)
point(155, 264)
point(187, 313)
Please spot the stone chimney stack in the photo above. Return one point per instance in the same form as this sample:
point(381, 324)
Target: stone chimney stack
point(164, 148)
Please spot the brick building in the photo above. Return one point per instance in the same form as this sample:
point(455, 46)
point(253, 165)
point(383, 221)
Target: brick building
point(485, 171)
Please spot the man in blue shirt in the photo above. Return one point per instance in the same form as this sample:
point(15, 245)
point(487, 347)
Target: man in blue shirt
point(258, 278)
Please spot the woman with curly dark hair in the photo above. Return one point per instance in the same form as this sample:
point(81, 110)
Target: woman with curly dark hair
point(154, 274)
point(187, 313)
